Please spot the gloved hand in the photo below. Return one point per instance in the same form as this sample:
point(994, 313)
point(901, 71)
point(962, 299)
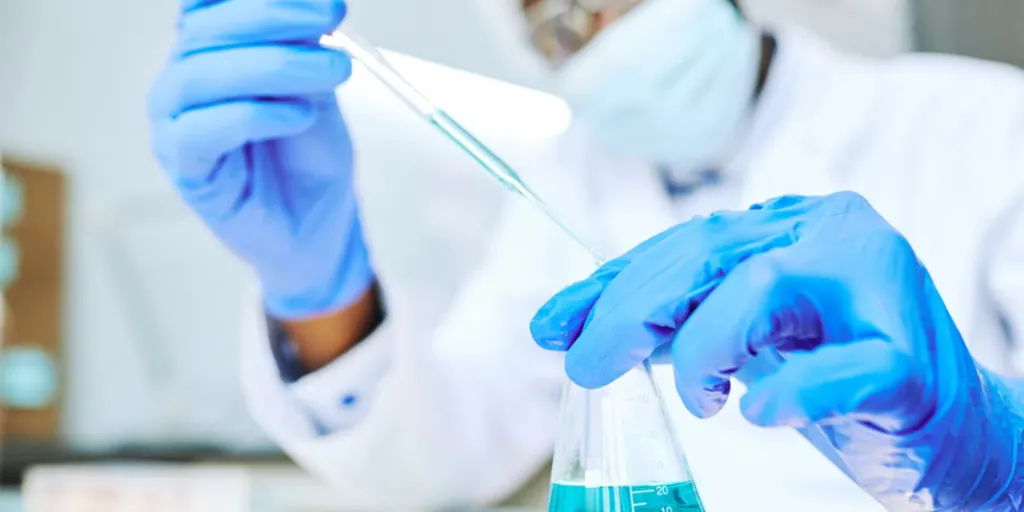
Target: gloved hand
point(245, 122)
point(864, 348)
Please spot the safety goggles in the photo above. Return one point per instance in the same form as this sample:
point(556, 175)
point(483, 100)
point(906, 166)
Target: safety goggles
point(560, 28)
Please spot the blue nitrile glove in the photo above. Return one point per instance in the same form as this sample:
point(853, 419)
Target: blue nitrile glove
point(865, 348)
point(246, 123)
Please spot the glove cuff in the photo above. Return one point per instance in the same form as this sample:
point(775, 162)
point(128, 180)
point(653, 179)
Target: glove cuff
point(353, 276)
point(994, 436)
point(977, 449)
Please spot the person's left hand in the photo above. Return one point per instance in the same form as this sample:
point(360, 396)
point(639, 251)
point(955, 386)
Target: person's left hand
point(863, 344)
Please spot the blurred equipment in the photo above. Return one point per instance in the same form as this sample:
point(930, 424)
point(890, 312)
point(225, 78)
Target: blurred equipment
point(188, 403)
point(616, 451)
point(131, 488)
point(149, 487)
point(31, 276)
point(987, 29)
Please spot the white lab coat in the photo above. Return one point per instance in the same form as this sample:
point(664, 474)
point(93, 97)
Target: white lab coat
point(465, 412)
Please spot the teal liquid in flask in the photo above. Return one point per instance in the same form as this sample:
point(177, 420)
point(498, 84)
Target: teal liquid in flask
point(617, 451)
point(677, 497)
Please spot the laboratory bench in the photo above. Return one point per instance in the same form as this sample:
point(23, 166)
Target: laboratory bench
point(225, 482)
point(11, 501)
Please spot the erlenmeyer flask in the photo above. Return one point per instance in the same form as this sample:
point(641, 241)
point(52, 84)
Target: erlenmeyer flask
point(616, 451)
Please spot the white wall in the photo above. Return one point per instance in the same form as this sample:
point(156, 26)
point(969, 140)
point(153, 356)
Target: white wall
point(73, 80)
point(873, 27)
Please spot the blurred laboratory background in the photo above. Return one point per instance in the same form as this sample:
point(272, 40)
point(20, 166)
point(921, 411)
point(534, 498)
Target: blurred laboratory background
point(123, 314)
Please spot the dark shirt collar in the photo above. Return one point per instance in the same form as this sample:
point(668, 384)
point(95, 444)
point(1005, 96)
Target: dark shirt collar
point(678, 185)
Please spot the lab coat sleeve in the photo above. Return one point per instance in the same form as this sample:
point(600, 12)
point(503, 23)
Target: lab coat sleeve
point(1003, 268)
point(956, 127)
point(416, 418)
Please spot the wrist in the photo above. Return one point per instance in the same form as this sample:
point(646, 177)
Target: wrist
point(310, 289)
point(1001, 482)
point(981, 449)
point(319, 340)
point(353, 280)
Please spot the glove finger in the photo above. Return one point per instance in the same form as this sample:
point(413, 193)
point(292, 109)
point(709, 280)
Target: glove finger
point(191, 146)
point(247, 22)
point(870, 381)
point(247, 72)
point(749, 312)
point(558, 323)
point(643, 308)
point(188, 6)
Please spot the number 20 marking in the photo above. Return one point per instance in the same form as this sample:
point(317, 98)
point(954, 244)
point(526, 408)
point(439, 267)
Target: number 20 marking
point(662, 490)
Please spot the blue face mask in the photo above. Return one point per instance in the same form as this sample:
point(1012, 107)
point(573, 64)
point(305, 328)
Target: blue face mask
point(671, 82)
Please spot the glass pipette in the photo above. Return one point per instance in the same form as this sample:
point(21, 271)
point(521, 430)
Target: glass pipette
point(378, 65)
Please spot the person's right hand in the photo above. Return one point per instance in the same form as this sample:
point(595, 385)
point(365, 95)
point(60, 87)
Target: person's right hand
point(246, 123)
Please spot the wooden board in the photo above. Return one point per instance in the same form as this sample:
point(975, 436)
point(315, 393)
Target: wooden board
point(35, 300)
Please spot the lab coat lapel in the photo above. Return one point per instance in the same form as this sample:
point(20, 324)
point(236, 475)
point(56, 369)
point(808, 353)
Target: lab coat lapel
point(788, 167)
point(790, 147)
point(626, 197)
